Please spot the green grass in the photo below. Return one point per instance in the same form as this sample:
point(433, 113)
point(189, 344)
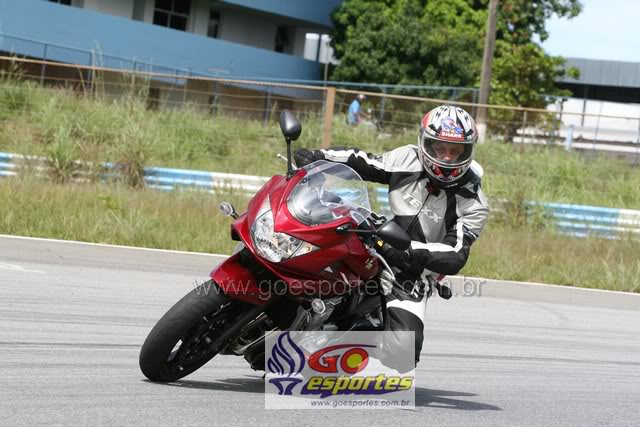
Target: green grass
point(116, 214)
point(64, 126)
point(191, 222)
point(534, 255)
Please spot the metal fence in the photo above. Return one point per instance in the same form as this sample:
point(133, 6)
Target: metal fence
point(597, 133)
point(391, 109)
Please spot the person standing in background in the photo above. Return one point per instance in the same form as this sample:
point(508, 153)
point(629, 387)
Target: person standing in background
point(355, 114)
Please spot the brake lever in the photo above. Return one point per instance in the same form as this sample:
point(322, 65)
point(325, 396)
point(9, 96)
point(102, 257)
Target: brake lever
point(386, 265)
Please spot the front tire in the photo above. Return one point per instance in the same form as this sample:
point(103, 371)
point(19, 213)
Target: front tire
point(179, 343)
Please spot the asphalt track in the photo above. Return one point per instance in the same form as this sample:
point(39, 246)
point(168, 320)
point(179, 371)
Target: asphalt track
point(73, 317)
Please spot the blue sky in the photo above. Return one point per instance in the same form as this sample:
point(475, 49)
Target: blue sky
point(606, 29)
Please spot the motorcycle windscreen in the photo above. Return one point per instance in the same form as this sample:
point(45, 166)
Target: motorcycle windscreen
point(329, 191)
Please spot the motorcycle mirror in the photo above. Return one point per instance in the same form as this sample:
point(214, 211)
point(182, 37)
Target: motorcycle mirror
point(394, 235)
point(291, 129)
point(289, 125)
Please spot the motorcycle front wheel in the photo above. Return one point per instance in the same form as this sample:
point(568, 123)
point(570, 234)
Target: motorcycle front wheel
point(179, 343)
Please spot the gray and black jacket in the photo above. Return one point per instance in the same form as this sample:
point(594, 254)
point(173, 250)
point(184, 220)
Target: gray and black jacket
point(442, 223)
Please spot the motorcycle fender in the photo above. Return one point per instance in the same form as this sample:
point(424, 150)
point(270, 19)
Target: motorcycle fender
point(238, 282)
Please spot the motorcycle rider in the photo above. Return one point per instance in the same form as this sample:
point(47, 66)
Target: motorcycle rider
point(435, 195)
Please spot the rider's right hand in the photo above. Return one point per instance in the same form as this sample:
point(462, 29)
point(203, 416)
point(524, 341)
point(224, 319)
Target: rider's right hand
point(304, 156)
point(393, 256)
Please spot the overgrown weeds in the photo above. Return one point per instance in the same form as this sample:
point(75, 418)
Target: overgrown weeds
point(62, 154)
point(190, 221)
point(64, 127)
point(542, 255)
point(98, 128)
point(113, 213)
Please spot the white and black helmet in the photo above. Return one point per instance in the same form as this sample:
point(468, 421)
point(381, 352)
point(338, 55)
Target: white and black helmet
point(453, 125)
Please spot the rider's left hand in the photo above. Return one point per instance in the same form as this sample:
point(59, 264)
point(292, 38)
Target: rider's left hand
point(304, 156)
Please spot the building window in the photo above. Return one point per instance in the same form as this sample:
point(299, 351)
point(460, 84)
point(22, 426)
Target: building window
point(214, 24)
point(65, 2)
point(172, 13)
point(282, 39)
point(317, 47)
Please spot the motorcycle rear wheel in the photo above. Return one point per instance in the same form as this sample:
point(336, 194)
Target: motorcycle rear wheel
point(179, 343)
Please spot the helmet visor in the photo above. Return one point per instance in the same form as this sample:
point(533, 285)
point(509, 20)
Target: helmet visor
point(447, 154)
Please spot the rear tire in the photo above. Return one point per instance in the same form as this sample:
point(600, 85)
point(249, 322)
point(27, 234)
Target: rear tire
point(178, 344)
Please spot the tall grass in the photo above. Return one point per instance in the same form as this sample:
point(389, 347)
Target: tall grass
point(60, 124)
point(190, 221)
point(65, 127)
point(538, 255)
point(115, 214)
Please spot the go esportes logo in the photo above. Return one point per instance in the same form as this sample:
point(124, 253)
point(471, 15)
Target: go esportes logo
point(332, 366)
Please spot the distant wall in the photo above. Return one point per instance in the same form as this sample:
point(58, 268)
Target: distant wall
point(45, 22)
point(122, 8)
point(240, 26)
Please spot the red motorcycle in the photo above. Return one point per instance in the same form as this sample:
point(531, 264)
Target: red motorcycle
point(306, 261)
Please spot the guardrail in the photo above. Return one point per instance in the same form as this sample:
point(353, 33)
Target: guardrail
point(166, 179)
point(573, 220)
point(583, 221)
point(7, 167)
point(171, 179)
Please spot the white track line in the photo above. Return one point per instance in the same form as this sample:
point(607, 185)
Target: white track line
point(226, 256)
point(510, 282)
point(109, 246)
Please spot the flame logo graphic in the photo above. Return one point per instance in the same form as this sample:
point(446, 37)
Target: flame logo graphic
point(287, 363)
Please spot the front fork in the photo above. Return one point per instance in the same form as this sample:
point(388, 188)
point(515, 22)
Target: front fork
point(242, 325)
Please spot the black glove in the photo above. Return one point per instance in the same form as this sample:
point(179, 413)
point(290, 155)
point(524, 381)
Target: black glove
point(304, 156)
point(404, 260)
point(444, 291)
point(393, 256)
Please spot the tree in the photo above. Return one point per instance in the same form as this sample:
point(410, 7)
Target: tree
point(521, 74)
point(522, 71)
point(521, 20)
point(440, 42)
point(407, 42)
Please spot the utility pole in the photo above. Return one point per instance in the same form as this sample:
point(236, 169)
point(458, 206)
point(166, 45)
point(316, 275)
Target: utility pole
point(485, 79)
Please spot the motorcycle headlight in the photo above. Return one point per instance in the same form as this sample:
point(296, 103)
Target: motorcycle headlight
point(273, 246)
